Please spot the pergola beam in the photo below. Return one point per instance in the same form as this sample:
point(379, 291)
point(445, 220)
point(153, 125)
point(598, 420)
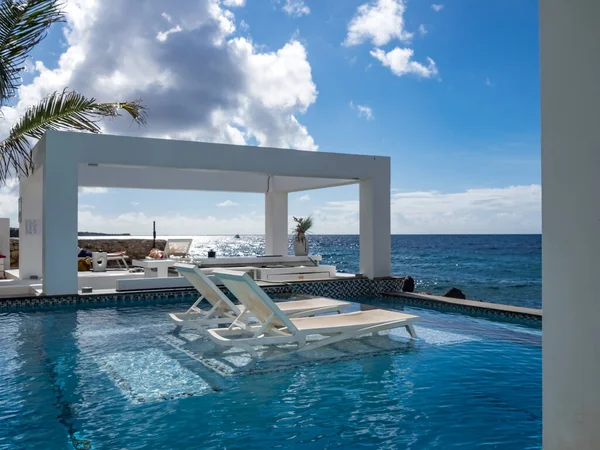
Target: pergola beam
point(198, 180)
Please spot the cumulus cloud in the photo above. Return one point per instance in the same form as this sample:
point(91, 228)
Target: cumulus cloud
point(198, 81)
point(93, 190)
point(296, 8)
point(227, 203)
point(9, 200)
point(363, 111)
point(163, 35)
point(234, 3)
point(136, 223)
point(304, 198)
point(437, 7)
point(400, 62)
point(379, 21)
point(514, 209)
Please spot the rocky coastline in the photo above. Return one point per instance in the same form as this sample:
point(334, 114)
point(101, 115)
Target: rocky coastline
point(134, 248)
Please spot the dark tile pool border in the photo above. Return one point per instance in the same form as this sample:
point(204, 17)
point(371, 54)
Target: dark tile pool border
point(344, 288)
point(493, 310)
point(339, 288)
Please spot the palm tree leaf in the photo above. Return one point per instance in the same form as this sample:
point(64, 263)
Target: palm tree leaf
point(303, 225)
point(66, 110)
point(23, 24)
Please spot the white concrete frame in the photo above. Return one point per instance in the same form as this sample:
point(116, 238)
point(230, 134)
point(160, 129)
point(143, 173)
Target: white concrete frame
point(570, 95)
point(64, 161)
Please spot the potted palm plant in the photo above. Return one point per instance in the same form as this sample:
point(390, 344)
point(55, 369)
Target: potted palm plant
point(303, 225)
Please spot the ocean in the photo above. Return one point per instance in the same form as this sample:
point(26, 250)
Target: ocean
point(493, 268)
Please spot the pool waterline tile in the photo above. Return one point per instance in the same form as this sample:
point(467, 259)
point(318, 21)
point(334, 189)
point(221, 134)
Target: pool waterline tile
point(342, 288)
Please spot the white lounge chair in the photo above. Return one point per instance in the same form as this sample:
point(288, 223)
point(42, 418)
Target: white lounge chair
point(177, 248)
point(276, 328)
point(224, 311)
point(120, 258)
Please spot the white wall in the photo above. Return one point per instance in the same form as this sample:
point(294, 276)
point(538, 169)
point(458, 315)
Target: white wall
point(30, 245)
point(276, 223)
point(570, 90)
point(375, 226)
point(59, 256)
point(5, 241)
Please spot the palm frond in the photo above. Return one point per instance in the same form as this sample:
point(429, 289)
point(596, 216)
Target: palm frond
point(66, 110)
point(303, 225)
point(23, 24)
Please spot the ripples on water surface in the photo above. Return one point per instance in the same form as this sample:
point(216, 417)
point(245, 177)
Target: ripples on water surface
point(102, 376)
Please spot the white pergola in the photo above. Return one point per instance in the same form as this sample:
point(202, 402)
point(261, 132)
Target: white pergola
point(65, 161)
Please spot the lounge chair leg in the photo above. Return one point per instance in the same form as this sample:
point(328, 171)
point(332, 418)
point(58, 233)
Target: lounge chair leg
point(250, 350)
point(411, 331)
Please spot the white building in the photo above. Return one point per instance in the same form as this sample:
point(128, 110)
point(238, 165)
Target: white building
point(570, 95)
point(65, 161)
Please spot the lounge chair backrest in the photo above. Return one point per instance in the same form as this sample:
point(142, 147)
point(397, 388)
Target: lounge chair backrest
point(207, 288)
point(177, 247)
point(254, 298)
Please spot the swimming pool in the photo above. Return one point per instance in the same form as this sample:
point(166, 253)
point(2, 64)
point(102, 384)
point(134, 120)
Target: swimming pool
point(108, 378)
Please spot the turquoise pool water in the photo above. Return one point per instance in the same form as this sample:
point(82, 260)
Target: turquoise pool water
point(106, 378)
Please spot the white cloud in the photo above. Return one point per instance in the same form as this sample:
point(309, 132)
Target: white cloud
point(399, 60)
point(9, 200)
point(363, 111)
point(135, 203)
point(304, 198)
point(437, 7)
point(296, 8)
point(136, 223)
point(93, 190)
point(163, 35)
point(234, 3)
point(158, 51)
point(227, 203)
point(379, 21)
point(422, 30)
point(514, 209)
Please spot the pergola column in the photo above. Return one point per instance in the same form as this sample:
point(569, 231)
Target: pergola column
point(276, 223)
point(570, 95)
point(59, 256)
point(375, 227)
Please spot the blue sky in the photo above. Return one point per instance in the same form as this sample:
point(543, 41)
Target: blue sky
point(460, 118)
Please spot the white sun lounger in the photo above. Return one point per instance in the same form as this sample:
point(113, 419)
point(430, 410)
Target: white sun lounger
point(224, 311)
point(120, 258)
point(277, 328)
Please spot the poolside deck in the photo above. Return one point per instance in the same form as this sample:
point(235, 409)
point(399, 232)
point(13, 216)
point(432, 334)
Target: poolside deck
point(117, 281)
